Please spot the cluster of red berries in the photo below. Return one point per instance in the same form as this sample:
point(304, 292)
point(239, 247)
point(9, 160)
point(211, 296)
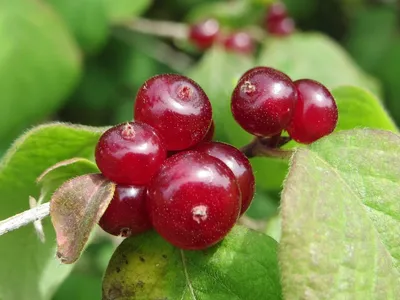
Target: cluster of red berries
point(206, 33)
point(266, 102)
point(169, 175)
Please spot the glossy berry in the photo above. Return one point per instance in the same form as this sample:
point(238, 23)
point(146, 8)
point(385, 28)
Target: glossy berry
point(204, 34)
point(176, 107)
point(238, 163)
point(130, 153)
point(239, 42)
point(194, 200)
point(263, 101)
point(277, 22)
point(126, 214)
point(316, 112)
point(210, 133)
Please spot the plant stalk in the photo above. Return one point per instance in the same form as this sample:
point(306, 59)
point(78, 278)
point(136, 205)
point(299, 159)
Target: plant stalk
point(25, 218)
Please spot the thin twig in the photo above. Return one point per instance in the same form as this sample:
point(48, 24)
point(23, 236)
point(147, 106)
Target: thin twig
point(158, 50)
point(260, 147)
point(25, 218)
point(165, 29)
point(179, 31)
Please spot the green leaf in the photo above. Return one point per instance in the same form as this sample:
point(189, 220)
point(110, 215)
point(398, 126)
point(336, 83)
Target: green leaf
point(122, 10)
point(341, 218)
point(314, 56)
point(87, 21)
point(39, 64)
point(75, 209)
point(35, 273)
point(388, 72)
point(263, 205)
point(56, 175)
point(369, 46)
point(242, 267)
point(359, 108)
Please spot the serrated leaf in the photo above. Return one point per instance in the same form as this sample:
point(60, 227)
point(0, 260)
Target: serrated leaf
point(62, 171)
point(35, 273)
point(122, 10)
point(242, 267)
point(87, 21)
point(341, 218)
point(315, 56)
point(39, 64)
point(75, 208)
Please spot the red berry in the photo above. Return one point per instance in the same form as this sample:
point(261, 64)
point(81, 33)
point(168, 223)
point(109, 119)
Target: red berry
point(238, 163)
point(176, 107)
point(277, 21)
point(127, 214)
point(276, 11)
point(210, 133)
point(130, 153)
point(239, 42)
point(263, 101)
point(315, 114)
point(204, 34)
point(282, 27)
point(194, 201)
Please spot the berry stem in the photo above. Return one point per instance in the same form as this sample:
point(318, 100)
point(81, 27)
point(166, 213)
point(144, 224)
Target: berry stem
point(261, 148)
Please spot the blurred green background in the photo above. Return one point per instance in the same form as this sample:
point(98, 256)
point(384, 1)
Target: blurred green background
point(80, 62)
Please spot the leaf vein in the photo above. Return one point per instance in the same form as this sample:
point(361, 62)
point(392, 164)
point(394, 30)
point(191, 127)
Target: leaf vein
point(189, 283)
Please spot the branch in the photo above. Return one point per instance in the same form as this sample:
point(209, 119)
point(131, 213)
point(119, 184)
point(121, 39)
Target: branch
point(165, 29)
point(24, 218)
point(158, 50)
point(175, 30)
point(267, 147)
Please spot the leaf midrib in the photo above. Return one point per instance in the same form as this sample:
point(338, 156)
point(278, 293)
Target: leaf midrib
point(185, 271)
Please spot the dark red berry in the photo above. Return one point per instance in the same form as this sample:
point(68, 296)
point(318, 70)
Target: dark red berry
point(127, 213)
point(176, 107)
point(315, 114)
point(210, 133)
point(194, 200)
point(204, 34)
point(263, 101)
point(238, 163)
point(276, 11)
point(239, 42)
point(277, 21)
point(130, 153)
point(282, 27)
